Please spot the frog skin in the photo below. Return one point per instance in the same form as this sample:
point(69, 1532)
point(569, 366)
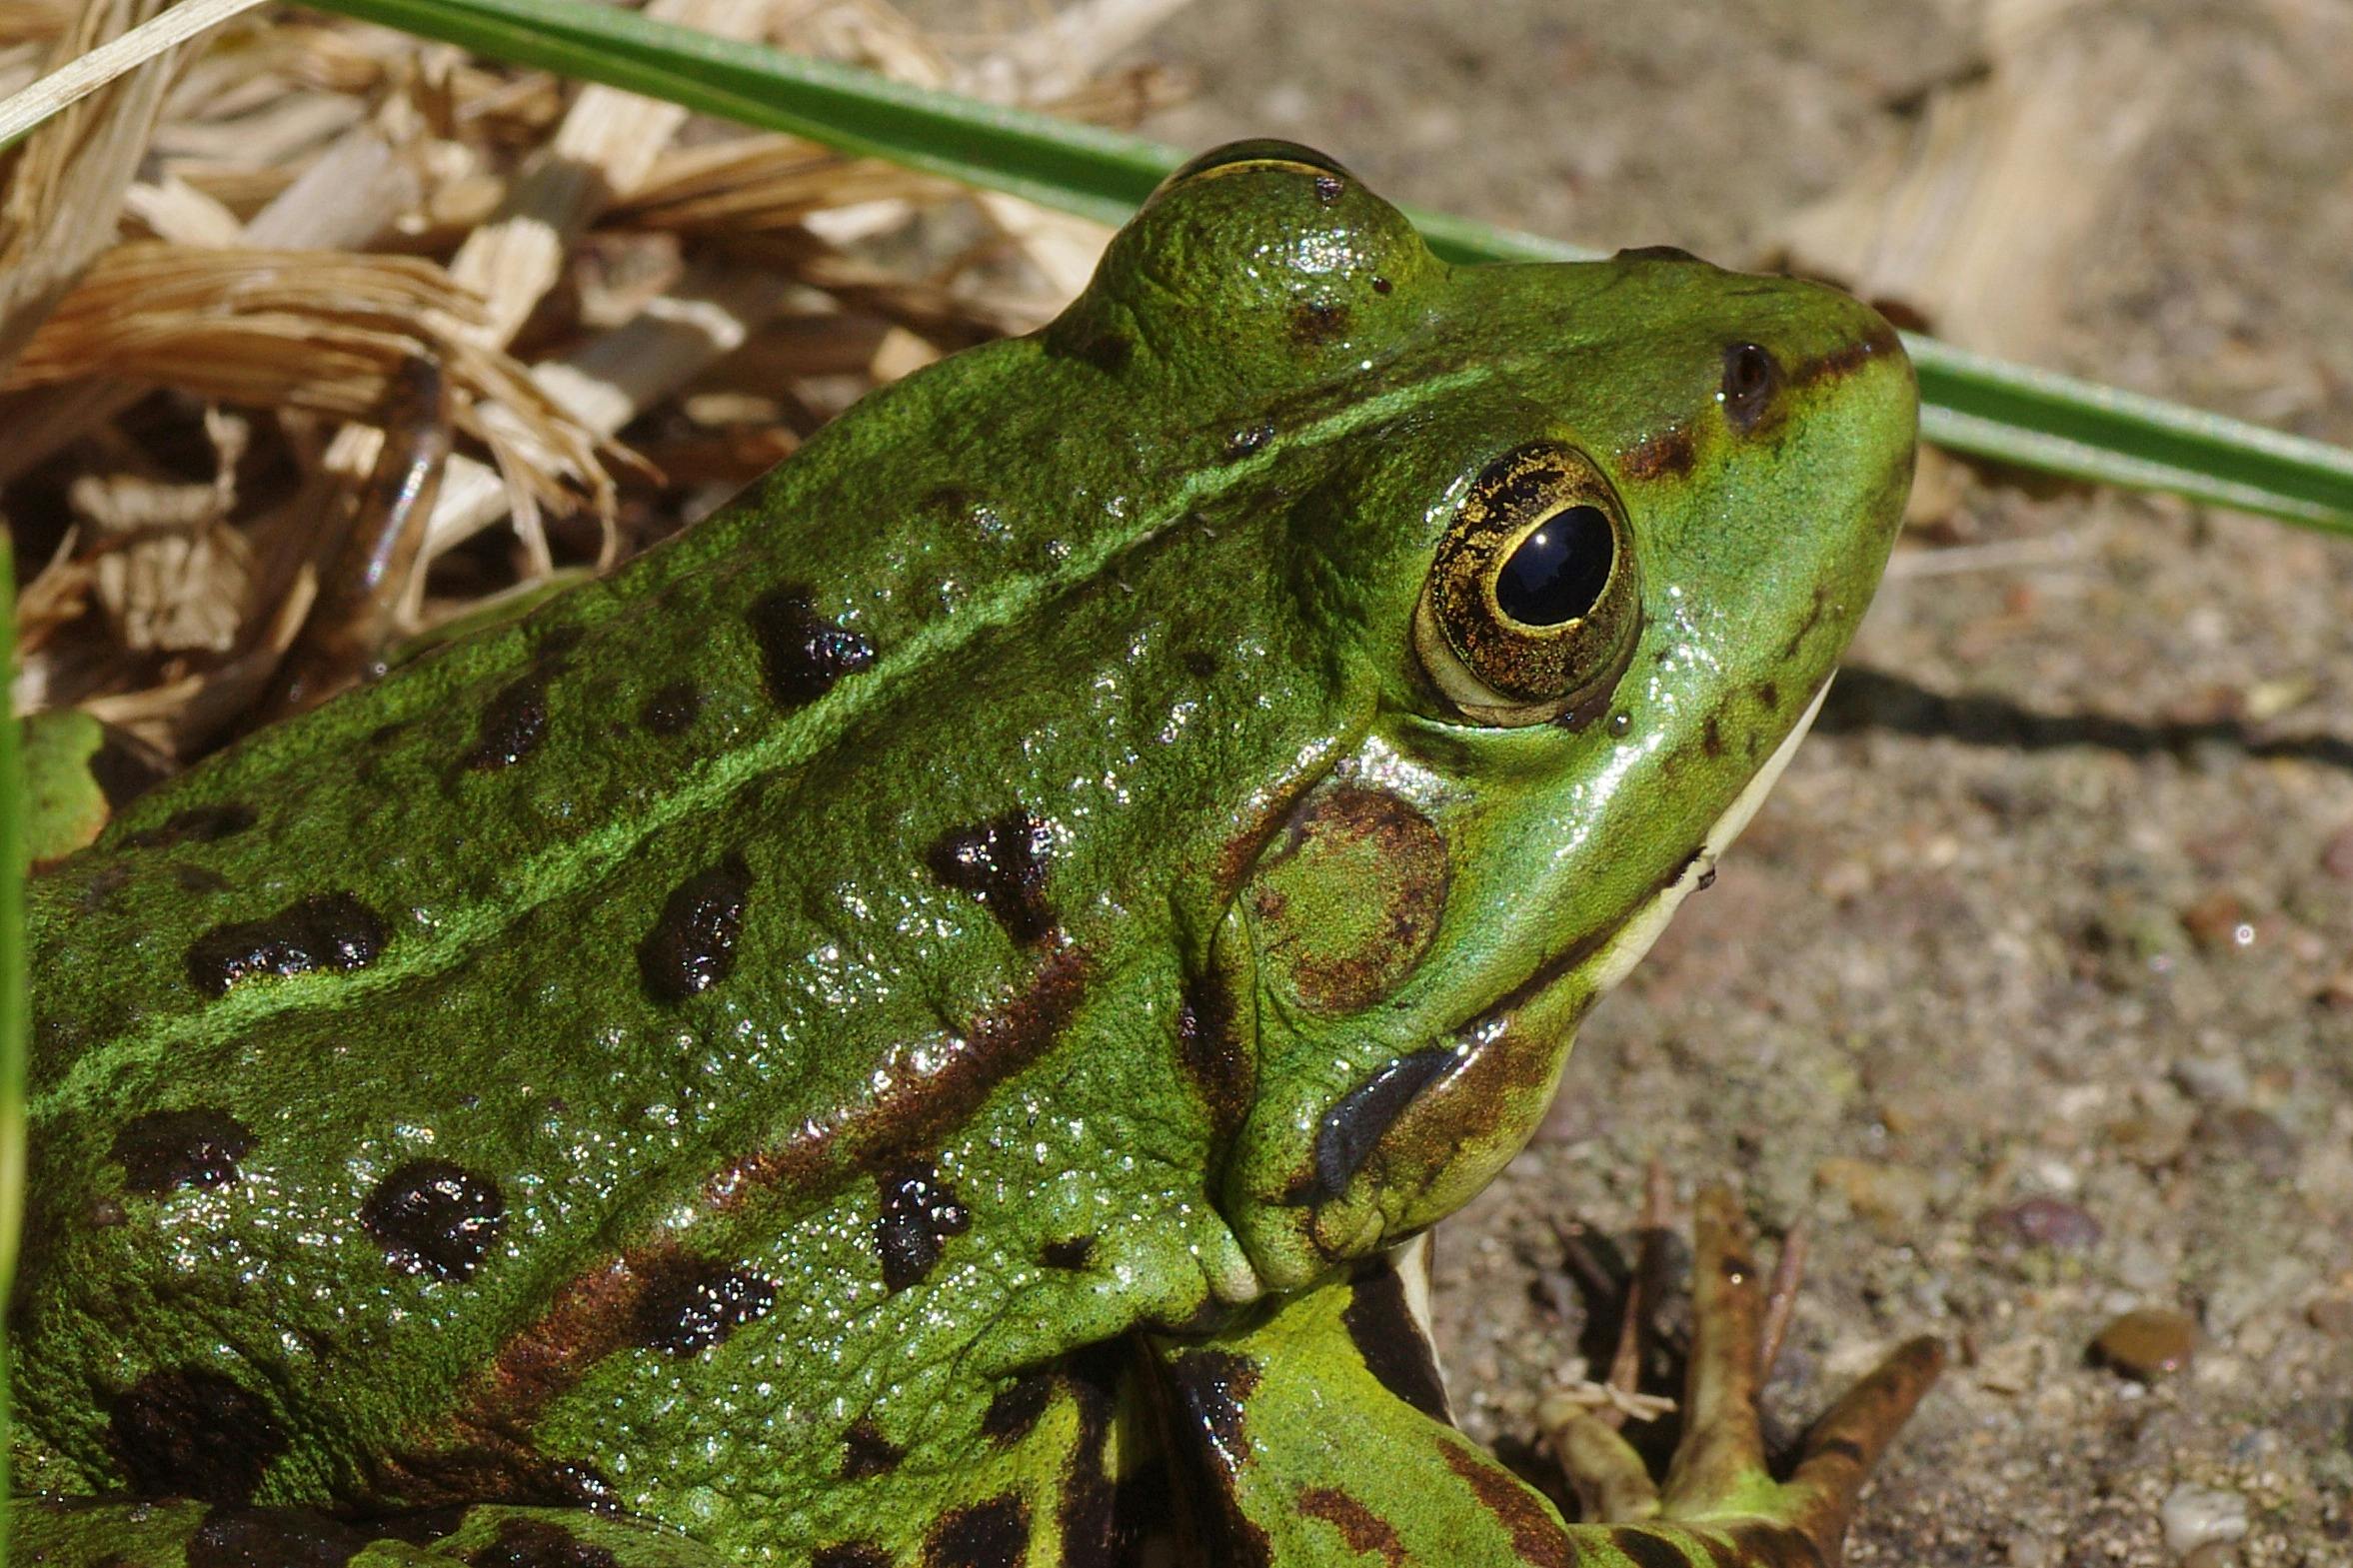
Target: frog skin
point(903, 1027)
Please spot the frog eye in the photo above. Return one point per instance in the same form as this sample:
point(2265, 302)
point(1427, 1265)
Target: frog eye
point(1532, 607)
point(1261, 153)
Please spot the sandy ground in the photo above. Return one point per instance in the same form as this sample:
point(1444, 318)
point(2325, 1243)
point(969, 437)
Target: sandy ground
point(2055, 905)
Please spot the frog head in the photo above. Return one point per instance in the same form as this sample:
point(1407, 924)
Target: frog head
point(1578, 582)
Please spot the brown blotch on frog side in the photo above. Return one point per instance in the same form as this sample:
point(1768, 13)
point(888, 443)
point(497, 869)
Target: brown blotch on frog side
point(1316, 323)
point(1248, 439)
point(1711, 737)
point(1645, 1550)
point(1016, 1410)
point(192, 1433)
point(1763, 1546)
point(1092, 1525)
point(994, 1534)
point(1360, 1527)
point(539, 1543)
point(163, 1149)
point(1353, 1127)
point(272, 1538)
point(512, 726)
point(919, 1214)
point(802, 652)
point(924, 1110)
point(695, 1305)
point(1390, 1343)
point(867, 1453)
point(1107, 351)
point(1538, 1541)
point(1003, 862)
point(850, 1554)
point(333, 930)
point(691, 946)
point(672, 709)
point(1216, 1055)
point(1668, 453)
point(1349, 900)
point(1211, 1387)
point(433, 1217)
point(202, 881)
point(1070, 1253)
point(196, 824)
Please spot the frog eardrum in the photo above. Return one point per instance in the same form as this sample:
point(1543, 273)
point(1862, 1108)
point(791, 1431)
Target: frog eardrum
point(1533, 601)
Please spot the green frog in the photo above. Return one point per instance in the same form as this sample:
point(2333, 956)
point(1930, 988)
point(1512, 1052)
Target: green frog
point(910, 1025)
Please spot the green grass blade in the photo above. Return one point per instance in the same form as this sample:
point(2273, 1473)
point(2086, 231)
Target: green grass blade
point(2029, 418)
point(12, 1013)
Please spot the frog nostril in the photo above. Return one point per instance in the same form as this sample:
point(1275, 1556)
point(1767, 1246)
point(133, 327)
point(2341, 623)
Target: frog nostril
point(1751, 377)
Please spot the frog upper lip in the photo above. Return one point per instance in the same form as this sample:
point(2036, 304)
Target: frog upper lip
point(1628, 937)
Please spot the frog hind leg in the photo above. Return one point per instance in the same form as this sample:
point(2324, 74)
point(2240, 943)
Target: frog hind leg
point(1315, 1434)
point(1718, 1479)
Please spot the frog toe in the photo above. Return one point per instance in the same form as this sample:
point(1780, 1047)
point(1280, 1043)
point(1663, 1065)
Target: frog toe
point(1718, 1483)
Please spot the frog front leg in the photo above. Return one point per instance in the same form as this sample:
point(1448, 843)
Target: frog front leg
point(1317, 1435)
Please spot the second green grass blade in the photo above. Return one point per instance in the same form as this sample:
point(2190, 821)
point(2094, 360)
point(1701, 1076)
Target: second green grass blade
point(2014, 414)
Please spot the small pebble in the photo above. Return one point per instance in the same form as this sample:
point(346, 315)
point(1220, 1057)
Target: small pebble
point(2336, 857)
point(2148, 1344)
point(2195, 1517)
point(2041, 1223)
point(2246, 1136)
point(2219, 922)
point(2332, 1315)
point(2214, 1554)
point(2217, 1080)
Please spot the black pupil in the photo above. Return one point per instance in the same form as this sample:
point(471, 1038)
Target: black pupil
point(1558, 572)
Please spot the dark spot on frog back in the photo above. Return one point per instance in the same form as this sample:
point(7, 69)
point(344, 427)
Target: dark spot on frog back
point(333, 930)
point(512, 726)
point(802, 654)
point(1072, 1252)
point(850, 1554)
point(1211, 1388)
point(1317, 324)
point(540, 1543)
point(697, 1304)
point(919, 1214)
point(671, 710)
point(193, 1433)
point(867, 1453)
point(276, 1537)
point(163, 1149)
point(994, 1534)
point(1091, 343)
point(196, 824)
point(691, 946)
point(1242, 441)
point(1003, 862)
point(1645, 1550)
point(433, 1217)
point(1016, 1410)
point(1365, 1532)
